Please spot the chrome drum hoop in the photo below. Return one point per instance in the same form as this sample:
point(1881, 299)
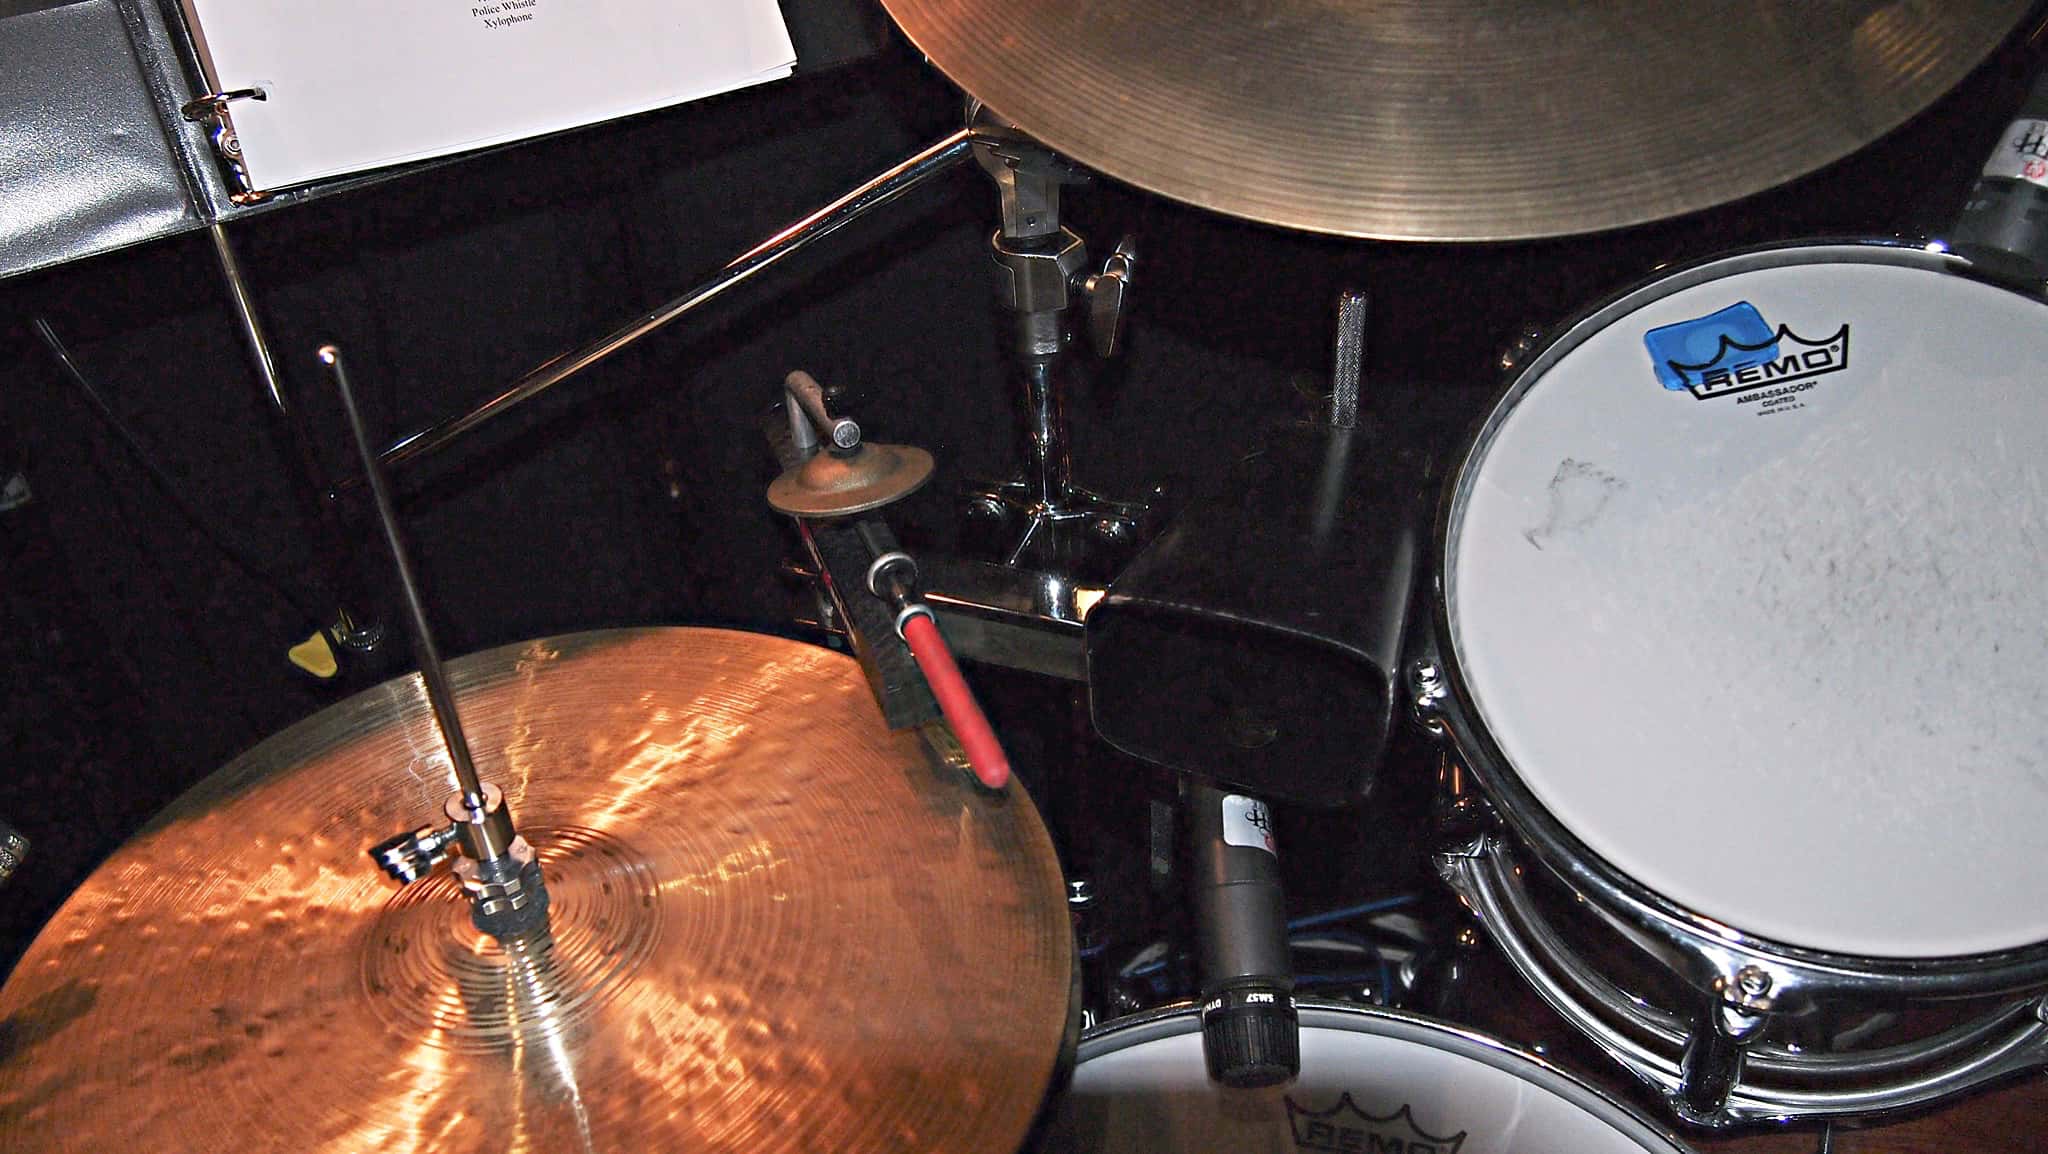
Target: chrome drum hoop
point(1709, 955)
point(1765, 1083)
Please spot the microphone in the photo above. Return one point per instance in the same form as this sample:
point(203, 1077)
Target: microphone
point(1250, 1033)
point(2003, 227)
point(13, 850)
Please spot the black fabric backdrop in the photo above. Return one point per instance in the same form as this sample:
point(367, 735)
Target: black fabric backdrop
point(136, 658)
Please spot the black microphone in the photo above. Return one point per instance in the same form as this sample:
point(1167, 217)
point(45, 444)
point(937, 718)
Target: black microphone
point(2003, 228)
point(1250, 1034)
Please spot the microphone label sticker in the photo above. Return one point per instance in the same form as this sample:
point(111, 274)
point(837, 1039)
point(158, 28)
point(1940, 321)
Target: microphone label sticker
point(1247, 822)
point(1736, 353)
point(2023, 155)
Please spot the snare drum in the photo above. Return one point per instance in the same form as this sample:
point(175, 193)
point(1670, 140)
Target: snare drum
point(1742, 628)
point(1371, 1080)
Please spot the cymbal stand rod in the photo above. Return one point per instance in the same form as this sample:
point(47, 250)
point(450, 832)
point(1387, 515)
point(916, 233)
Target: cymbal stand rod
point(1043, 278)
point(880, 189)
point(439, 695)
point(1050, 471)
point(498, 868)
point(1038, 261)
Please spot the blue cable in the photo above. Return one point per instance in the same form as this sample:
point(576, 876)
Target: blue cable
point(1349, 912)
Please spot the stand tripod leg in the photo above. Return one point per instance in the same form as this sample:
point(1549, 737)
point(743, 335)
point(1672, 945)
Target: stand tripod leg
point(353, 627)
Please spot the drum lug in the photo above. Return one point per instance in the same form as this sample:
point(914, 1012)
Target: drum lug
point(1452, 854)
point(1458, 810)
point(1426, 680)
point(1459, 861)
point(1710, 1067)
point(1516, 353)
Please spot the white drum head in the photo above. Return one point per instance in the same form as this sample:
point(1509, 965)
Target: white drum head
point(1370, 1081)
point(1766, 628)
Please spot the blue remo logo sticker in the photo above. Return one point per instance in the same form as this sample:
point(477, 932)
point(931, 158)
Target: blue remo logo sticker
point(1735, 350)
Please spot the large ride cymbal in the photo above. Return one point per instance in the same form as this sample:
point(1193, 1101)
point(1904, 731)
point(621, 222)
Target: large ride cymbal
point(775, 926)
point(1455, 119)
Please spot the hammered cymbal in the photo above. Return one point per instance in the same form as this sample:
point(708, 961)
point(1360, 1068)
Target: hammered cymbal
point(775, 926)
point(1455, 119)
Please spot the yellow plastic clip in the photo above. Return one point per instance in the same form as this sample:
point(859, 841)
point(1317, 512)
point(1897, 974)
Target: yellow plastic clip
point(315, 656)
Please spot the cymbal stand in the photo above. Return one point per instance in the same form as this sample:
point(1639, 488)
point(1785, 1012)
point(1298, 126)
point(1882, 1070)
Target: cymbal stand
point(497, 869)
point(1042, 271)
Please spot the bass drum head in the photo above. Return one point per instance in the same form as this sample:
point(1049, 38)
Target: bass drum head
point(1744, 582)
point(1371, 1080)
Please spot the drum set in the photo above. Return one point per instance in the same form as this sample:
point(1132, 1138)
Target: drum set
point(1726, 639)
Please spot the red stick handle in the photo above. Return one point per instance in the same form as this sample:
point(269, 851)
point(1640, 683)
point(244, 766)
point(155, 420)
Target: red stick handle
point(984, 753)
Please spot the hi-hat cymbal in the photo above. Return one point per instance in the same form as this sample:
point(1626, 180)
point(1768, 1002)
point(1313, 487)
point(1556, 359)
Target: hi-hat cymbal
point(775, 926)
point(1455, 119)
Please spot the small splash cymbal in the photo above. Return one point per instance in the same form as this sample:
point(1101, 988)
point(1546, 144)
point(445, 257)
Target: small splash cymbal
point(836, 485)
point(775, 926)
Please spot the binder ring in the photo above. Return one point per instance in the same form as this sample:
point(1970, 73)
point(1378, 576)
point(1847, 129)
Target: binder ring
point(212, 104)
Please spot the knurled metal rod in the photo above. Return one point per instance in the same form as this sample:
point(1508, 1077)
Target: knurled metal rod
point(439, 696)
point(1349, 364)
point(882, 188)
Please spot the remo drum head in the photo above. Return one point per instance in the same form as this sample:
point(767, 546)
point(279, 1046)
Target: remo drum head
point(1371, 1080)
point(1744, 583)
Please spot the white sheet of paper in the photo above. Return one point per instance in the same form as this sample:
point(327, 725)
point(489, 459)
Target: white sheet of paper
point(360, 84)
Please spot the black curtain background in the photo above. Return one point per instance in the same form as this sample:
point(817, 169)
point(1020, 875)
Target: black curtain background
point(136, 657)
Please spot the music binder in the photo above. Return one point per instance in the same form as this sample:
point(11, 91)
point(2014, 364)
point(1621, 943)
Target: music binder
point(315, 89)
